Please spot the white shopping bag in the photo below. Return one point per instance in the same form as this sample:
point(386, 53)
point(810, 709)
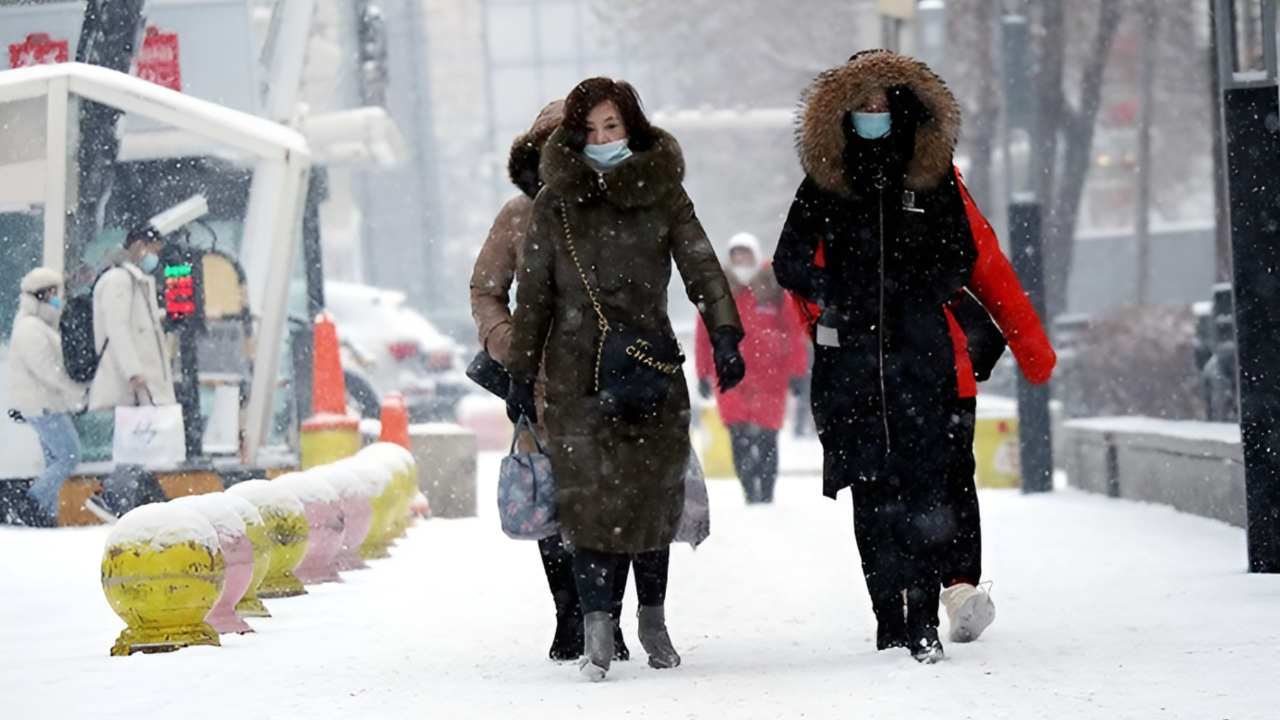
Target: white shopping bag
point(149, 435)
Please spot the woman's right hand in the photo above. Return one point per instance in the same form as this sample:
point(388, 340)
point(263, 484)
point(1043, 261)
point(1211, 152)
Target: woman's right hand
point(730, 367)
point(520, 400)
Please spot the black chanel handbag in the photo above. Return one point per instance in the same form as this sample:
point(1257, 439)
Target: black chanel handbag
point(634, 367)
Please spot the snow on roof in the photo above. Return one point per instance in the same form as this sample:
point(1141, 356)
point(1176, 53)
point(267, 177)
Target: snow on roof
point(217, 510)
point(163, 525)
point(308, 486)
point(268, 497)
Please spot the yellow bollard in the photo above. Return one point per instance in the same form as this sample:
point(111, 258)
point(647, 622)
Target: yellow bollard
point(379, 473)
point(717, 457)
point(162, 572)
point(404, 477)
point(286, 526)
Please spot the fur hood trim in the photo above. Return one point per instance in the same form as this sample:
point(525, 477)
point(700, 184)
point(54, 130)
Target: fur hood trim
point(820, 137)
point(526, 149)
point(639, 181)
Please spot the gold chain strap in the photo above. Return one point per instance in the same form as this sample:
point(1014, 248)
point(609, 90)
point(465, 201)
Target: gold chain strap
point(595, 304)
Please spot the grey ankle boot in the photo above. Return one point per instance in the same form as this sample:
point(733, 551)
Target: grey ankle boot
point(654, 637)
point(597, 640)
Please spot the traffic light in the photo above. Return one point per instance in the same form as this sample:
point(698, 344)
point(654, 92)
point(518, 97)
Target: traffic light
point(179, 291)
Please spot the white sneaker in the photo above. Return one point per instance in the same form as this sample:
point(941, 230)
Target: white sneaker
point(969, 609)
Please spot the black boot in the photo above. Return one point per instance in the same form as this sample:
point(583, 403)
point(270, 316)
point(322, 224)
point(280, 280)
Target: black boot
point(557, 562)
point(922, 624)
point(891, 621)
point(620, 651)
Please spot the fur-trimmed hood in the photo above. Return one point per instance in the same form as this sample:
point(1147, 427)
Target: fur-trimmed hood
point(820, 137)
point(639, 181)
point(526, 149)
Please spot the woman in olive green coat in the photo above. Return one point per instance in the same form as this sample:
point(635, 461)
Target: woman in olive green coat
point(614, 183)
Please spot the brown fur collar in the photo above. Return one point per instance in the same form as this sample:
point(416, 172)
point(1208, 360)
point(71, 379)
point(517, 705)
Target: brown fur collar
point(639, 181)
point(526, 149)
point(820, 139)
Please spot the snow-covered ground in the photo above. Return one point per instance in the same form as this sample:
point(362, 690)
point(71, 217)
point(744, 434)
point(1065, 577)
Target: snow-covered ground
point(1106, 609)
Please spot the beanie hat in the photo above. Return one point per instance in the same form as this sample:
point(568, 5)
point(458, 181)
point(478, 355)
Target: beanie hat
point(745, 241)
point(41, 278)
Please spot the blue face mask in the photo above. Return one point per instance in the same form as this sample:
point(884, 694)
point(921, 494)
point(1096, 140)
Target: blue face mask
point(149, 263)
point(56, 302)
point(607, 156)
point(871, 125)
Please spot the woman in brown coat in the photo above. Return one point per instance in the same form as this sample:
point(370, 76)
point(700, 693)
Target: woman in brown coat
point(491, 280)
point(603, 234)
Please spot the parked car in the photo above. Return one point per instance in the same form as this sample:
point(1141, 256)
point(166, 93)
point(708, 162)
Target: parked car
point(388, 346)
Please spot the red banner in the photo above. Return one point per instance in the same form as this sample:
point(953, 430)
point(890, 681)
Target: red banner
point(38, 49)
point(158, 61)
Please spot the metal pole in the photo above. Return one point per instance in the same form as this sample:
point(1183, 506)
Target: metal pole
point(1251, 119)
point(1035, 430)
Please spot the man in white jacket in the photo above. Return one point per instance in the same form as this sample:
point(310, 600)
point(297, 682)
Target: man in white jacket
point(41, 392)
point(127, 331)
point(134, 368)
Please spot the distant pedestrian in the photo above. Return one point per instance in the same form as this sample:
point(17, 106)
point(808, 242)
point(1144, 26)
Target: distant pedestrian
point(135, 366)
point(491, 280)
point(40, 391)
point(777, 357)
point(604, 232)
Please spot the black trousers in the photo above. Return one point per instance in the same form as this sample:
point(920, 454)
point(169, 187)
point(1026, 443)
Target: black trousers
point(597, 574)
point(755, 458)
point(917, 526)
point(962, 557)
point(558, 564)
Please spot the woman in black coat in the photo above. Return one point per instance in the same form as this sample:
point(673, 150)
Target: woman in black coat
point(877, 236)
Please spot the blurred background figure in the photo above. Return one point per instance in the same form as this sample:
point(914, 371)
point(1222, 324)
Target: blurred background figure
point(777, 356)
point(41, 392)
point(135, 365)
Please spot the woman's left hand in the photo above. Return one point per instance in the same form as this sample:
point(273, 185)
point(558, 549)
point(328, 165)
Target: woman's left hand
point(520, 400)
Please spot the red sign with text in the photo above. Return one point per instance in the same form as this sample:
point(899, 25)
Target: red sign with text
point(158, 61)
point(39, 49)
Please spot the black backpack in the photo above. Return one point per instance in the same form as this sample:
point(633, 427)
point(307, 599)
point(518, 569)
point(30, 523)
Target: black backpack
point(79, 356)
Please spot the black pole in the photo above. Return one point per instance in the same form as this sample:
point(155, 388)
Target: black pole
point(1035, 433)
point(1251, 119)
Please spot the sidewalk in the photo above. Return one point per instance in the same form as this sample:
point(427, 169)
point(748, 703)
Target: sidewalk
point(1106, 609)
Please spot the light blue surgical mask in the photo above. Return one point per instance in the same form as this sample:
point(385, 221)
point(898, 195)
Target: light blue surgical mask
point(149, 263)
point(607, 156)
point(871, 125)
point(56, 302)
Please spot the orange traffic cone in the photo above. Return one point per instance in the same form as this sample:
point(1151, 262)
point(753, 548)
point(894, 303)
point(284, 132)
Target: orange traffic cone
point(331, 433)
point(395, 421)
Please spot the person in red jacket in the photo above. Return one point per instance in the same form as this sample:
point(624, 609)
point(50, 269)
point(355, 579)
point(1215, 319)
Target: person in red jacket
point(777, 359)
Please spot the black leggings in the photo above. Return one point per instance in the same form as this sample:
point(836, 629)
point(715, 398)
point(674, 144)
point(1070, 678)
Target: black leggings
point(596, 573)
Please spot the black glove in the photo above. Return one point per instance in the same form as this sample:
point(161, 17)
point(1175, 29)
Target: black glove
point(520, 400)
point(796, 384)
point(489, 374)
point(730, 367)
point(704, 388)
